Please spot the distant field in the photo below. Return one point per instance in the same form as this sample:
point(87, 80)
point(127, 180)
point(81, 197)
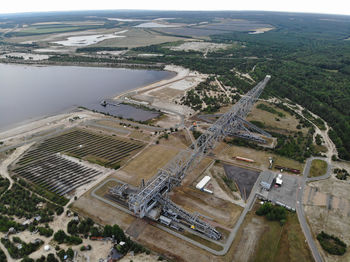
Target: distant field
point(50, 29)
point(137, 37)
point(224, 26)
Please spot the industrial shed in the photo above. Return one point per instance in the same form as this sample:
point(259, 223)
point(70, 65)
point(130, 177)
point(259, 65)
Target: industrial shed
point(267, 178)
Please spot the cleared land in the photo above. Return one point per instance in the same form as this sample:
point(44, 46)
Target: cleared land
point(318, 168)
point(223, 212)
point(199, 46)
point(261, 240)
point(327, 207)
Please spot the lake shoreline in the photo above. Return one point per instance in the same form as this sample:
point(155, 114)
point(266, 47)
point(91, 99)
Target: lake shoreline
point(71, 108)
point(75, 109)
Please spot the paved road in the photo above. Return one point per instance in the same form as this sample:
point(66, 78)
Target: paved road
point(300, 208)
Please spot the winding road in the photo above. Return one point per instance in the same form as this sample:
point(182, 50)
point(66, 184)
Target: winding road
point(300, 209)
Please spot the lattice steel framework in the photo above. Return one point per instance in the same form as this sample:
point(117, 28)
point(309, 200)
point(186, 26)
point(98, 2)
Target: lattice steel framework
point(230, 123)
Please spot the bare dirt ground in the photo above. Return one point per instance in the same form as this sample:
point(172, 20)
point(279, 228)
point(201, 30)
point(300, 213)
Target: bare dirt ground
point(163, 242)
point(327, 207)
point(168, 121)
point(220, 189)
point(166, 94)
point(194, 200)
point(101, 212)
point(27, 130)
point(199, 46)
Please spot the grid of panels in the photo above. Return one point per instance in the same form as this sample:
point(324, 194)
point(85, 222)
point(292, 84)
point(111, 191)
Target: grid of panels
point(57, 174)
point(44, 166)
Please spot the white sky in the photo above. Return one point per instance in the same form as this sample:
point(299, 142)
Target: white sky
point(309, 6)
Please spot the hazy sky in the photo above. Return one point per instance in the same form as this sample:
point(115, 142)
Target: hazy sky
point(310, 6)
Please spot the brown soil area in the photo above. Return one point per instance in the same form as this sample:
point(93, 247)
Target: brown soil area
point(193, 200)
point(101, 212)
point(327, 207)
point(166, 93)
point(171, 246)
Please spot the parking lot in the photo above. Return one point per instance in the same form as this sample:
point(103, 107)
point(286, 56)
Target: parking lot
point(244, 178)
point(284, 195)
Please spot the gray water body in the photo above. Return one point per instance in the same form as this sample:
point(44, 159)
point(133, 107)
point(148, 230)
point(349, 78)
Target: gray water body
point(31, 92)
point(132, 112)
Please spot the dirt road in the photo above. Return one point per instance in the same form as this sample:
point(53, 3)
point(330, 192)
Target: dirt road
point(8, 161)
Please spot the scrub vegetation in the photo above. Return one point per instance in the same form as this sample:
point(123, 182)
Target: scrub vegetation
point(318, 168)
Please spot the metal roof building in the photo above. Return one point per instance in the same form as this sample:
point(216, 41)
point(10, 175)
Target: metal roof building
point(267, 179)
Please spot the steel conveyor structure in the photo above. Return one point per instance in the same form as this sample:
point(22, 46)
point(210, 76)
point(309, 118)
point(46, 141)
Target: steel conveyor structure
point(232, 123)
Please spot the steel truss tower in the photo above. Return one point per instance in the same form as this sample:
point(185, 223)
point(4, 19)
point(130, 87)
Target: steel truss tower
point(231, 123)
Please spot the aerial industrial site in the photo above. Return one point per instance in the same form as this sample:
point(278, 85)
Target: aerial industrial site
point(191, 163)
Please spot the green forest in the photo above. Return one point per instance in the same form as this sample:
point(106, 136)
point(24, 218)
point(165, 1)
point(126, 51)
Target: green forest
point(307, 56)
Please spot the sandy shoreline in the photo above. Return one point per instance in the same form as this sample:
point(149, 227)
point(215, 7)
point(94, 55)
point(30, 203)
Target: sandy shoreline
point(181, 73)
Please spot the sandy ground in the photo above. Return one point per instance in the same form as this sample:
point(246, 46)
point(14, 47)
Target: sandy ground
point(26, 56)
point(166, 94)
point(327, 207)
point(199, 46)
point(219, 188)
point(27, 130)
point(163, 242)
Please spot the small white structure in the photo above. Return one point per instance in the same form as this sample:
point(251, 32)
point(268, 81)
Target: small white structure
point(203, 182)
point(165, 220)
point(279, 180)
point(47, 248)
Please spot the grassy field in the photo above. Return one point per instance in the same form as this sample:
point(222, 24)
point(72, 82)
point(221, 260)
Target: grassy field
point(203, 241)
point(318, 168)
point(261, 158)
point(285, 243)
point(283, 125)
point(145, 165)
point(104, 189)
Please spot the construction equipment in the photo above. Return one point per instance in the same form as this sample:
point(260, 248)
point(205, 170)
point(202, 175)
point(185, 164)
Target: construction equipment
point(154, 191)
